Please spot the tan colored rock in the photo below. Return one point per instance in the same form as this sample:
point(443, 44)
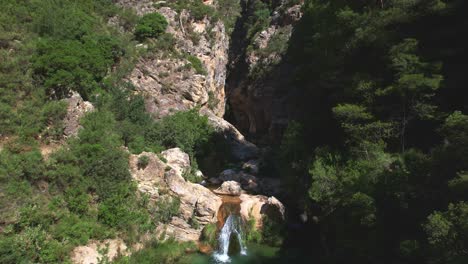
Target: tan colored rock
point(76, 109)
point(257, 206)
point(179, 229)
point(196, 200)
point(89, 254)
point(229, 188)
point(201, 201)
point(177, 160)
point(168, 82)
point(150, 178)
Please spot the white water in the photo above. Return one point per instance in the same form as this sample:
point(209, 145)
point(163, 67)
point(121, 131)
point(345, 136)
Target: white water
point(231, 227)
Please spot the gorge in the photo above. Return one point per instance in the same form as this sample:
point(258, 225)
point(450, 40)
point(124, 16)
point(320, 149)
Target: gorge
point(233, 131)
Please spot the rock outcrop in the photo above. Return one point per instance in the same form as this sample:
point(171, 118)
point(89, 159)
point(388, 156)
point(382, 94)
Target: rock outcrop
point(167, 77)
point(257, 206)
point(229, 188)
point(158, 179)
point(77, 108)
point(91, 253)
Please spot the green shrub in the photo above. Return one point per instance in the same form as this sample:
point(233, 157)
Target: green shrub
point(150, 26)
point(65, 65)
point(166, 208)
point(77, 231)
point(167, 252)
point(186, 130)
point(251, 231)
point(77, 201)
point(143, 161)
point(196, 64)
point(208, 235)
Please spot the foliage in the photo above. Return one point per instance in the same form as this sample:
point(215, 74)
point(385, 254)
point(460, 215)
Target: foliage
point(196, 64)
point(166, 208)
point(186, 130)
point(208, 235)
point(166, 252)
point(143, 161)
point(150, 25)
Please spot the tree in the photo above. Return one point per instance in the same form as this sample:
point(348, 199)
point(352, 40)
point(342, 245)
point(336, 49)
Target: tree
point(150, 26)
point(415, 84)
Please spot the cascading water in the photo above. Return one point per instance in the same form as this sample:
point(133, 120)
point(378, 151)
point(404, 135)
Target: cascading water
point(231, 228)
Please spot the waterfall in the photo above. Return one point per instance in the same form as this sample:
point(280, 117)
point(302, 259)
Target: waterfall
point(231, 227)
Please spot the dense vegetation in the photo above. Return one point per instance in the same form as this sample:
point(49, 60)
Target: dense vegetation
point(379, 147)
point(83, 190)
point(376, 156)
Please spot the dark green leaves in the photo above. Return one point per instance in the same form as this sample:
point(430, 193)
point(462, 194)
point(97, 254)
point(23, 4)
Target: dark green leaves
point(150, 26)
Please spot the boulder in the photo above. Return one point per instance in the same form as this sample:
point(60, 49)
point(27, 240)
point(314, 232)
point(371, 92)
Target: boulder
point(229, 188)
point(257, 206)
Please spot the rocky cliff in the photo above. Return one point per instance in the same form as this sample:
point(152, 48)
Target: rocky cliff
point(257, 86)
point(167, 76)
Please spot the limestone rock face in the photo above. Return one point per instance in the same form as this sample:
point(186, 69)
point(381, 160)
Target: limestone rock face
point(76, 109)
point(229, 188)
point(89, 254)
point(197, 202)
point(168, 82)
point(150, 178)
point(177, 159)
point(257, 206)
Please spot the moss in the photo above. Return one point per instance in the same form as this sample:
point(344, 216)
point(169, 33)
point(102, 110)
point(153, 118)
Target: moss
point(208, 235)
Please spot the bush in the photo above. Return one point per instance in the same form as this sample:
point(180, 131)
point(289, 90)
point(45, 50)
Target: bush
point(151, 26)
point(208, 235)
point(186, 130)
point(196, 64)
point(77, 201)
point(166, 208)
point(143, 161)
point(167, 252)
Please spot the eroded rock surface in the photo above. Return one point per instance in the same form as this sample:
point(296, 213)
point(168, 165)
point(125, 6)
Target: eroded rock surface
point(197, 202)
point(258, 206)
point(167, 81)
point(90, 254)
point(229, 188)
point(77, 108)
